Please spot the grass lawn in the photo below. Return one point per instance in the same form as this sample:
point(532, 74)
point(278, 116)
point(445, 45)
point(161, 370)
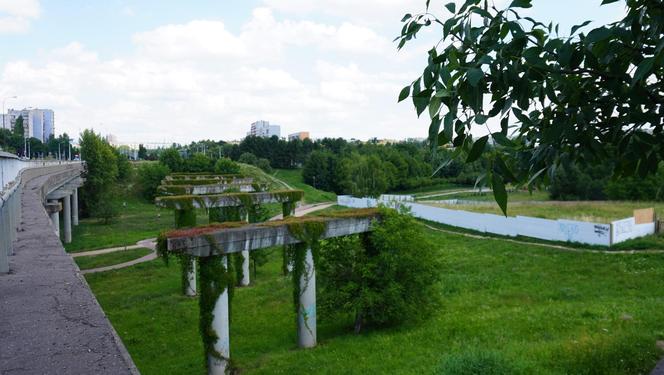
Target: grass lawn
point(515, 196)
point(427, 190)
point(596, 211)
point(103, 260)
point(293, 177)
point(138, 220)
point(537, 310)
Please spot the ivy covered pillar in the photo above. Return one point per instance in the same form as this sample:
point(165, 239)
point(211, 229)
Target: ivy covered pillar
point(214, 312)
point(287, 209)
point(186, 219)
point(306, 314)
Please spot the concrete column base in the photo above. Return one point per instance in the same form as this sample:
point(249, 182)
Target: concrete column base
point(306, 316)
point(221, 326)
point(190, 288)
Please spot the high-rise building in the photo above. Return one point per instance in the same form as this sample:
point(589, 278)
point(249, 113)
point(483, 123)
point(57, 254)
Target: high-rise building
point(263, 128)
point(37, 123)
point(299, 135)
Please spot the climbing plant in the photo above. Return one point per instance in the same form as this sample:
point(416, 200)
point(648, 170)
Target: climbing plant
point(309, 233)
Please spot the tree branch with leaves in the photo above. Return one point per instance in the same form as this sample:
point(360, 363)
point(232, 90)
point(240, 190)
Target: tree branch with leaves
point(558, 97)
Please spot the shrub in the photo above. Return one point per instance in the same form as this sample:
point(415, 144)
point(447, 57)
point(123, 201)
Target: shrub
point(106, 207)
point(248, 158)
point(148, 179)
point(384, 277)
point(198, 163)
point(226, 166)
point(172, 159)
point(264, 165)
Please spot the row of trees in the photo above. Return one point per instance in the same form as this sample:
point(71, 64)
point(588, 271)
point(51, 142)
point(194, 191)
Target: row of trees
point(14, 141)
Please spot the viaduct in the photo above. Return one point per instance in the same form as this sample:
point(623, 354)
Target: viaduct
point(50, 322)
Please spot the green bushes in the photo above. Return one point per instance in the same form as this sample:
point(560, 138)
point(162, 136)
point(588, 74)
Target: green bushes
point(148, 179)
point(226, 166)
point(384, 277)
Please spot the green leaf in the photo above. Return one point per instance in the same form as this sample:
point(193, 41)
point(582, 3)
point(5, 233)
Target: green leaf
point(405, 92)
point(477, 149)
point(499, 192)
point(609, 1)
point(434, 106)
point(521, 4)
point(643, 69)
point(577, 27)
point(406, 17)
point(451, 7)
point(475, 75)
point(480, 119)
point(502, 139)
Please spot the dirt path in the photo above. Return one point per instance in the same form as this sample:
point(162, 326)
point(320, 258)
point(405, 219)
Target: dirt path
point(550, 246)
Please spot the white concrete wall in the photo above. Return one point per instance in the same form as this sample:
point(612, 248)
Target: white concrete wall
point(545, 229)
point(627, 229)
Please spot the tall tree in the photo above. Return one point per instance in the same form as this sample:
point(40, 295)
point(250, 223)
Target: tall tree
point(101, 170)
point(554, 93)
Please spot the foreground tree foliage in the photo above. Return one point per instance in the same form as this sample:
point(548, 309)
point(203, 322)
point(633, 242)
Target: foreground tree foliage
point(384, 277)
point(554, 93)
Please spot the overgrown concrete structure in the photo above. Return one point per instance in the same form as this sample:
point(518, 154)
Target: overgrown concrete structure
point(220, 207)
point(213, 244)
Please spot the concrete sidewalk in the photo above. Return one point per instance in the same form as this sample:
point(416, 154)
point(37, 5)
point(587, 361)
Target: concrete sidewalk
point(50, 322)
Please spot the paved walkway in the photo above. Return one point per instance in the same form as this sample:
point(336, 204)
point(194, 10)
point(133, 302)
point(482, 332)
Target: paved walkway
point(306, 209)
point(50, 322)
point(149, 244)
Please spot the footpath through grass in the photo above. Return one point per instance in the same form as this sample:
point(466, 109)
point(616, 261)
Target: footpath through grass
point(293, 177)
point(103, 260)
point(537, 311)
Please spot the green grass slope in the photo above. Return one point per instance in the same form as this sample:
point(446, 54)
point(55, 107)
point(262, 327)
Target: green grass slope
point(532, 310)
point(293, 178)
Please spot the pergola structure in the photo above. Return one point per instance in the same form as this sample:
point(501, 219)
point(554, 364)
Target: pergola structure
point(212, 245)
point(221, 207)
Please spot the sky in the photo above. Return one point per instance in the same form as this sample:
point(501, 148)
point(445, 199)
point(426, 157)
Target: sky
point(177, 71)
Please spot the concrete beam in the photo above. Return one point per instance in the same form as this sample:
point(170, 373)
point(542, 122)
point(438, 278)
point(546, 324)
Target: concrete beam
point(204, 189)
point(53, 207)
point(182, 202)
point(208, 181)
point(227, 240)
point(59, 194)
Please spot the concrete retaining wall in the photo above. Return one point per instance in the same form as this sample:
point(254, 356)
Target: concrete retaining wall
point(545, 229)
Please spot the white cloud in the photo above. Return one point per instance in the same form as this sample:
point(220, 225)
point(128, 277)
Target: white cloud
point(15, 16)
point(200, 80)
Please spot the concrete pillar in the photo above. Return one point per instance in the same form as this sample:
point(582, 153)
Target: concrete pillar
point(66, 217)
point(187, 219)
point(306, 315)
point(218, 364)
point(245, 266)
point(55, 219)
point(190, 290)
point(74, 207)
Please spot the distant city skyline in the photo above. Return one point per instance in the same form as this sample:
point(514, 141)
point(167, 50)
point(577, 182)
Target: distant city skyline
point(184, 71)
point(37, 122)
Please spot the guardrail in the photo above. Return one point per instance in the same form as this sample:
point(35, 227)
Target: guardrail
point(12, 172)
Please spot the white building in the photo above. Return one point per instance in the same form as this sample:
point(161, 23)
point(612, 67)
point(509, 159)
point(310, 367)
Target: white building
point(37, 123)
point(263, 128)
